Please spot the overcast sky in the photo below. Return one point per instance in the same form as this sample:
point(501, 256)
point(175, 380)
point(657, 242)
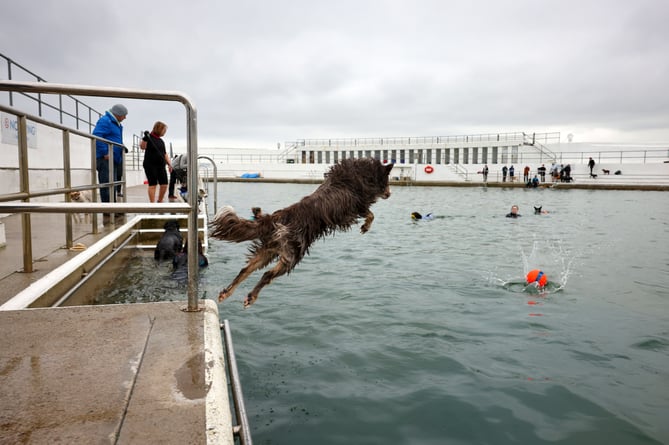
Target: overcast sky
point(263, 72)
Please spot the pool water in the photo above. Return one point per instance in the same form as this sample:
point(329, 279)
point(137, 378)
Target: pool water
point(426, 333)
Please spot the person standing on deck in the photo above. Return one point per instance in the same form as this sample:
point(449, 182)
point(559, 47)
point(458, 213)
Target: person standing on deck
point(109, 127)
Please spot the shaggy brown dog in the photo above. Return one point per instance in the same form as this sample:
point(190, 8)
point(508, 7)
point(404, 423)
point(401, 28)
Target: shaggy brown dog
point(349, 190)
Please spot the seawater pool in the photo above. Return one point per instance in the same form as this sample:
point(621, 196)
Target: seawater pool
point(422, 333)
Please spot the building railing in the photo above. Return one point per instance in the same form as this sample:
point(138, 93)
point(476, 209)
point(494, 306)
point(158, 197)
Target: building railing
point(520, 137)
point(69, 109)
point(26, 207)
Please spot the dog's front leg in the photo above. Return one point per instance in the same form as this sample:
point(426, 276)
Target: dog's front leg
point(368, 222)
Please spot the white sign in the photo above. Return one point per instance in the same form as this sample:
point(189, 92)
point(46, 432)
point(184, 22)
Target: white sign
point(9, 128)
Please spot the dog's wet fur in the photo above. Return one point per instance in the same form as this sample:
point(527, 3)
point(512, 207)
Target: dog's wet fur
point(348, 192)
point(170, 243)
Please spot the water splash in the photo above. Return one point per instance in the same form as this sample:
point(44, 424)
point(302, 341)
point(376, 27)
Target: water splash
point(551, 256)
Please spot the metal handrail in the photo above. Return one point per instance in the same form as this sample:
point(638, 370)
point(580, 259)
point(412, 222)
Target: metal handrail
point(81, 90)
point(243, 429)
point(215, 180)
point(77, 116)
point(418, 140)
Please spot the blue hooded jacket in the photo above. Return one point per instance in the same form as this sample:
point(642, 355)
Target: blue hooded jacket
point(109, 127)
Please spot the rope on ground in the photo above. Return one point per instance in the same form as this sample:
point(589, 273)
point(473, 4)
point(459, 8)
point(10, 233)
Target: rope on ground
point(78, 247)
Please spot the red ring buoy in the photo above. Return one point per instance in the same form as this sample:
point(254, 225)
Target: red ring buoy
point(428, 169)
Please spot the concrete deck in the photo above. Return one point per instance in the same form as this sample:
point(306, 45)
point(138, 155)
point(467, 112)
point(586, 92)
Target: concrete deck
point(129, 374)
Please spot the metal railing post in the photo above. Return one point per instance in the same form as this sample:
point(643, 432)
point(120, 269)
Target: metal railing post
point(192, 253)
point(67, 182)
point(94, 180)
point(24, 174)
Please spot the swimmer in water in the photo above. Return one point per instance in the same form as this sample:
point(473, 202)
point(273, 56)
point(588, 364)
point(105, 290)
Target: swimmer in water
point(415, 216)
point(514, 212)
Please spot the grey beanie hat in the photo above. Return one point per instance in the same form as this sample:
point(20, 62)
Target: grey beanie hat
point(119, 110)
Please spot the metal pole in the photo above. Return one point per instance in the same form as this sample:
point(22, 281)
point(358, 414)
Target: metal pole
point(25, 188)
point(67, 173)
point(193, 257)
point(237, 395)
point(94, 192)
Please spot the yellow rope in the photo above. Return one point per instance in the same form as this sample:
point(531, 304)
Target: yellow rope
point(78, 247)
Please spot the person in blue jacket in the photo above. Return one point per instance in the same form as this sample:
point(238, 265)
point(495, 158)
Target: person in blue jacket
point(109, 127)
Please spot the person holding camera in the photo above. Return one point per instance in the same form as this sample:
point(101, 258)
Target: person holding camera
point(179, 173)
point(155, 159)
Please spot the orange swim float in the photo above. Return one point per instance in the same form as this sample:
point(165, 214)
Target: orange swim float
point(537, 276)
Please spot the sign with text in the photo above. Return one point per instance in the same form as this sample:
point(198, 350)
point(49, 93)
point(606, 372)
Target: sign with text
point(9, 129)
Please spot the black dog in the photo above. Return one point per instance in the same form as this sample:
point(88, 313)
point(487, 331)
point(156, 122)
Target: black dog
point(593, 175)
point(349, 190)
point(180, 261)
point(170, 242)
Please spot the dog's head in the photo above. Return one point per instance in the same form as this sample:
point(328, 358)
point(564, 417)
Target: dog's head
point(386, 174)
point(537, 210)
point(75, 196)
point(367, 176)
point(172, 226)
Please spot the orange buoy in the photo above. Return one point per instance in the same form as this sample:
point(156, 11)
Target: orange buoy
point(537, 276)
point(428, 169)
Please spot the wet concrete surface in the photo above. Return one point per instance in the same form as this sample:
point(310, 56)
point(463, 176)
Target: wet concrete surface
point(106, 374)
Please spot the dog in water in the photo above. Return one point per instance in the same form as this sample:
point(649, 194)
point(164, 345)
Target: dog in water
point(348, 192)
point(180, 261)
point(81, 197)
point(170, 243)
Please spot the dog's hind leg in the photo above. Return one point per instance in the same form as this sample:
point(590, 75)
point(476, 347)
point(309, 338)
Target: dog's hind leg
point(368, 222)
point(281, 268)
point(258, 261)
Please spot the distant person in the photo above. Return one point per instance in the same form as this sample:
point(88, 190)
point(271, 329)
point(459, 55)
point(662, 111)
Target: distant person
point(514, 212)
point(567, 173)
point(415, 216)
point(526, 174)
point(179, 174)
point(504, 171)
point(511, 173)
point(485, 173)
point(155, 160)
point(109, 127)
point(533, 183)
point(591, 164)
point(555, 172)
point(542, 172)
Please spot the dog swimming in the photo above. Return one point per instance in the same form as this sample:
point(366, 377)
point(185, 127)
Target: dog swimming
point(349, 190)
point(170, 243)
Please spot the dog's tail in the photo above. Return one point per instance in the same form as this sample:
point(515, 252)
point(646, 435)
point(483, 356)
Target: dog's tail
point(227, 226)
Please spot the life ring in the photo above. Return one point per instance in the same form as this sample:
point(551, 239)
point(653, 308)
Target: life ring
point(428, 169)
